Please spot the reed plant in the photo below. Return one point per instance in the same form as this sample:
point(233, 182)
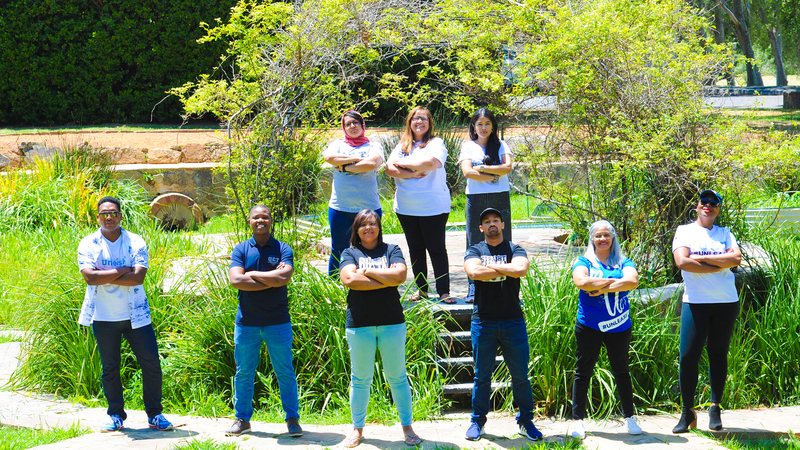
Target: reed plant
point(14, 438)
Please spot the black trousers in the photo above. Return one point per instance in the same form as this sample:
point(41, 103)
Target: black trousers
point(425, 233)
point(590, 341)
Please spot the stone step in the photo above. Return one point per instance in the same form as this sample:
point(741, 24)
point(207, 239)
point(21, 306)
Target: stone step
point(466, 388)
point(455, 344)
point(461, 369)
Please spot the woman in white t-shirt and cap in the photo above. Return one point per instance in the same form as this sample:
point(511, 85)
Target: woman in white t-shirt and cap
point(486, 162)
point(356, 161)
point(422, 200)
point(705, 253)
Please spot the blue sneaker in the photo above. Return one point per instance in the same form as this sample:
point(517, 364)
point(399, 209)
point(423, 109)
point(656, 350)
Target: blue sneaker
point(115, 424)
point(474, 432)
point(528, 429)
point(159, 422)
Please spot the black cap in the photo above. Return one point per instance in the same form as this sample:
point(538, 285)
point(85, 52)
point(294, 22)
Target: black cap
point(711, 193)
point(491, 210)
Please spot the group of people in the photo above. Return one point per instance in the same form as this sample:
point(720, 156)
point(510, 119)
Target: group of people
point(114, 262)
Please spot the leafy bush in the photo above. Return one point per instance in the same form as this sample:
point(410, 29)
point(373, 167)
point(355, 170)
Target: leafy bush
point(100, 61)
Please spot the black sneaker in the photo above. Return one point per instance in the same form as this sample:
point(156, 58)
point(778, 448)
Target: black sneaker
point(294, 427)
point(239, 427)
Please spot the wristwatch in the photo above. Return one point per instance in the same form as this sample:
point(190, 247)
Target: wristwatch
point(496, 179)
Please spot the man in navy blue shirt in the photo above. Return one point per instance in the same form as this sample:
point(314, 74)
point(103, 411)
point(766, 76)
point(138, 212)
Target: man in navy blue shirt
point(497, 265)
point(261, 268)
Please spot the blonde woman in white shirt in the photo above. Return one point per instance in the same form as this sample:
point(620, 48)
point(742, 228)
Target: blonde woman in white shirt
point(422, 200)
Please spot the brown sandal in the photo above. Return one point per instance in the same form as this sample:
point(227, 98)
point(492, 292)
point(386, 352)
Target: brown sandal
point(418, 296)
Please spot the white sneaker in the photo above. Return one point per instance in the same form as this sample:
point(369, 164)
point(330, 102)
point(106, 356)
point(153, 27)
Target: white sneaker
point(578, 430)
point(633, 425)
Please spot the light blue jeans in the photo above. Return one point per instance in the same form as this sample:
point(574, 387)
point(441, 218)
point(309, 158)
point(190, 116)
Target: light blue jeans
point(247, 352)
point(391, 340)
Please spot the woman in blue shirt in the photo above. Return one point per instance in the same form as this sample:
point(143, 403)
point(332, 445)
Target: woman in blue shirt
point(604, 276)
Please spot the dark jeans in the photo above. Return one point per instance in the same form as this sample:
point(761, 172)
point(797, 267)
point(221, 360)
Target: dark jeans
point(427, 233)
point(511, 337)
point(476, 203)
point(341, 225)
point(143, 343)
point(707, 325)
point(590, 341)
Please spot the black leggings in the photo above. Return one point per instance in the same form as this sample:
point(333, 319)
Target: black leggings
point(427, 233)
point(701, 322)
point(590, 341)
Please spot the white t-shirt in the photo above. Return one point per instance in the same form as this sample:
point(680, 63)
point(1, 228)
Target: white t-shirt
point(428, 196)
point(470, 150)
point(352, 192)
point(717, 287)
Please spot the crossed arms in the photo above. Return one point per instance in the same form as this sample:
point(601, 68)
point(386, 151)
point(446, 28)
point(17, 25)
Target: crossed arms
point(121, 276)
point(255, 280)
point(371, 279)
point(517, 268)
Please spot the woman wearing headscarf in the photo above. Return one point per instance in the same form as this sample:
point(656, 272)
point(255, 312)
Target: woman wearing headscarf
point(356, 160)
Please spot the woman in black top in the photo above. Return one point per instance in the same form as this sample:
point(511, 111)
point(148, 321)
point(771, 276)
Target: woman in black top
point(372, 270)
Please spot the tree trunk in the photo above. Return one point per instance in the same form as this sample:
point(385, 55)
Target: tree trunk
point(797, 45)
point(740, 15)
point(776, 42)
point(719, 38)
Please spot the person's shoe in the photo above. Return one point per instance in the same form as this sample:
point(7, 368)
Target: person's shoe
point(470, 294)
point(578, 430)
point(633, 425)
point(293, 425)
point(239, 427)
point(528, 429)
point(159, 422)
point(474, 432)
point(115, 424)
point(688, 421)
point(714, 420)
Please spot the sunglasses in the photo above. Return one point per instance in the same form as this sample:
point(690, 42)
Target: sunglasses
point(112, 214)
point(710, 203)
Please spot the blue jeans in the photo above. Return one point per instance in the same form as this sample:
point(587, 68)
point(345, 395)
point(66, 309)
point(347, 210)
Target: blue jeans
point(143, 343)
point(391, 340)
point(247, 352)
point(341, 225)
point(512, 337)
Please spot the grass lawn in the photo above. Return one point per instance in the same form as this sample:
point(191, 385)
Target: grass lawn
point(13, 438)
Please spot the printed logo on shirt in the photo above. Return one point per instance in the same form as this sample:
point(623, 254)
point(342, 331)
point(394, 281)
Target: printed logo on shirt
point(615, 322)
point(274, 260)
point(373, 263)
point(110, 262)
point(494, 259)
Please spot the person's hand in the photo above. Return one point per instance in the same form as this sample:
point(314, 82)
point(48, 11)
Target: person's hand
point(595, 293)
point(420, 174)
point(362, 271)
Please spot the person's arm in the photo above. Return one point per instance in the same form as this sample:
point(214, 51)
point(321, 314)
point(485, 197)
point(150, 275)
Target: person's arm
point(242, 281)
point(396, 171)
point(581, 278)
point(420, 163)
point(517, 268)
point(629, 280)
point(477, 271)
point(133, 278)
point(472, 172)
point(501, 169)
point(684, 261)
point(395, 275)
point(277, 277)
point(731, 258)
point(97, 277)
point(370, 163)
point(352, 279)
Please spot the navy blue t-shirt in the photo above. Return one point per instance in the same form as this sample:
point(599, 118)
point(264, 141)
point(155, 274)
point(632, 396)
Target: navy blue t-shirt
point(268, 306)
point(496, 299)
point(376, 307)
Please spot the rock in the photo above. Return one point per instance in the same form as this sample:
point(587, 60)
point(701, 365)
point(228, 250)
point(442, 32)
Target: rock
point(791, 100)
point(216, 151)
point(163, 156)
point(194, 153)
point(125, 155)
point(172, 181)
point(39, 151)
point(5, 161)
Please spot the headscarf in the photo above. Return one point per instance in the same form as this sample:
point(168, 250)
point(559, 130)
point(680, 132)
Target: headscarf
point(357, 141)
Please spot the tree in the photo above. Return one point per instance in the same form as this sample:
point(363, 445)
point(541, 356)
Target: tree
point(739, 13)
point(772, 24)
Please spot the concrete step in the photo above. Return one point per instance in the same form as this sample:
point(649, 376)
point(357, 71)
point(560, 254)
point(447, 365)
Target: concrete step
point(461, 369)
point(455, 344)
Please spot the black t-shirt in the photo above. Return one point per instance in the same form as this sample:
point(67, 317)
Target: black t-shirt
point(496, 299)
point(380, 306)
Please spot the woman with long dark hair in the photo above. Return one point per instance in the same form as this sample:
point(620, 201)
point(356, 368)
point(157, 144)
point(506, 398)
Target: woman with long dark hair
point(705, 253)
point(356, 161)
point(422, 200)
point(604, 276)
point(486, 162)
point(372, 270)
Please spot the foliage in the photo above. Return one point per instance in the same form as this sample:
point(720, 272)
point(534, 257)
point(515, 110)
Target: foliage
point(207, 444)
point(12, 438)
point(100, 61)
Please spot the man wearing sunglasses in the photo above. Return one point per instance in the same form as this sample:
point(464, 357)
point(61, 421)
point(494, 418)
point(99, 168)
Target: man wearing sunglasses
point(114, 262)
